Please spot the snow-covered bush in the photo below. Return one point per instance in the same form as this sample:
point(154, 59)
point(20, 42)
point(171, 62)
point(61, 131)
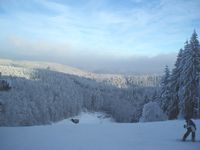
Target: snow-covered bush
point(152, 112)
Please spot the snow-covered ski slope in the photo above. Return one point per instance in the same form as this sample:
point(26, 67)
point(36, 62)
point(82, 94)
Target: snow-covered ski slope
point(89, 118)
point(92, 134)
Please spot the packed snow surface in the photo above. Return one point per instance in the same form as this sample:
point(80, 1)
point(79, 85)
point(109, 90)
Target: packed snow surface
point(90, 118)
point(95, 133)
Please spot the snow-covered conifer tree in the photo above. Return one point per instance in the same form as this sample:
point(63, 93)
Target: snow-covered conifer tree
point(165, 90)
point(190, 78)
point(184, 82)
point(173, 107)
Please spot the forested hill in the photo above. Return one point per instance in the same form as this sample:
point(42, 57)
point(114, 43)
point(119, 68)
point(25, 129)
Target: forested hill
point(43, 92)
point(114, 79)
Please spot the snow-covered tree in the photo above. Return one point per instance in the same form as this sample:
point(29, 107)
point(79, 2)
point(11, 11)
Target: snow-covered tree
point(152, 112)
point(4, 85)
point(190, 77)
point(175, 81)
point(184, 81)
point(165, 90)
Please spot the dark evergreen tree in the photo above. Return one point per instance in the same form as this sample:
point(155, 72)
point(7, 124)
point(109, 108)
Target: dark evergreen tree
point(165, 91)
point(181, 83)
point(182, 87)
point(190, 78)
point(173, 107)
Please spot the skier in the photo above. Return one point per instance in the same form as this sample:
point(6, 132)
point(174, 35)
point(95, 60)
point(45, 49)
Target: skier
point(191, 128)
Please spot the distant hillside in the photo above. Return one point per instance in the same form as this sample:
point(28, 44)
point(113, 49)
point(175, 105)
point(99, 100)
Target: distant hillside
point(114, 79)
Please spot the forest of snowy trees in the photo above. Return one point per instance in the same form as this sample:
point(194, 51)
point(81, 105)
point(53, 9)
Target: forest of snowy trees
point(42, 96)
point(180, 89)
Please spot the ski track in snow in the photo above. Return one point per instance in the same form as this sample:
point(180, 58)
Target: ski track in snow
point(93, 134)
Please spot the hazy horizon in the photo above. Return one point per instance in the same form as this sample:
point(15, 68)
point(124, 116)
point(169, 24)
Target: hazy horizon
point(139, 66)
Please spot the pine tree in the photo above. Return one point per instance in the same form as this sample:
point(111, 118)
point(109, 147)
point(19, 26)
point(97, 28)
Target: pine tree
point(184, 82)
point(190, 78)
point(165, 90)
point(196, 48)
point(181, 90)
point(173, 107)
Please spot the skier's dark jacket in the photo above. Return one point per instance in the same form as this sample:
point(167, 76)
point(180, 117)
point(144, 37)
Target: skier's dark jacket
point(190, 125)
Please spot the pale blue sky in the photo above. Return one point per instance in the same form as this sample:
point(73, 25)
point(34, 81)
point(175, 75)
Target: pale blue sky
point(72, 30)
